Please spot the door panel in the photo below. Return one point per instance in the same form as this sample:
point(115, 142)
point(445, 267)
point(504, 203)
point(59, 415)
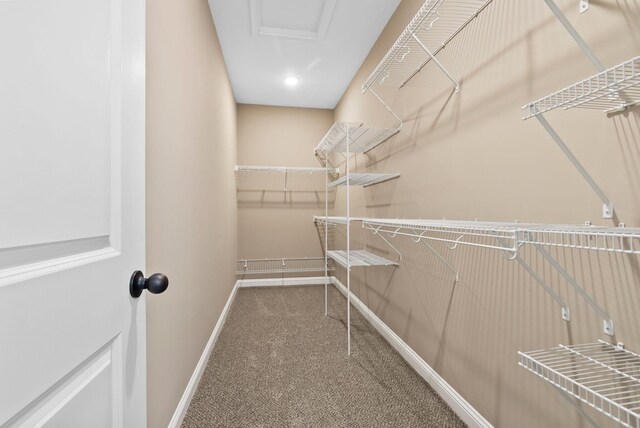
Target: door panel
point(71, 213)
point(88, 396)
point(56, 131)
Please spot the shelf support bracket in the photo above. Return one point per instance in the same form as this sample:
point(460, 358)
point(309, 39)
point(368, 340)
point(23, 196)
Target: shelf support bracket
point(387, 107)
point(584, 6)
point(607, 321)
point(576, 406)
point(456, 274)
point(607, 208)
point(573, 33)
point(444, 70)
point(388, 243)
point(565, 313)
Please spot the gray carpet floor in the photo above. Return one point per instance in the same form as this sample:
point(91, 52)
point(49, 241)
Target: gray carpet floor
point(279, 362)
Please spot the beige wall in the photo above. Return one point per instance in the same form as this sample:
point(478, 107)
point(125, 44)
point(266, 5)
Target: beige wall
point(278, 224)
point(191, 203)
point(469, 155)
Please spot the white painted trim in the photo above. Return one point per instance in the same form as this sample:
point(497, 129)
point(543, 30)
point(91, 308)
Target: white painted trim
point(460, 406)
point(324, 21)
point(34, 270)
point(280, 282)
point(183, 405)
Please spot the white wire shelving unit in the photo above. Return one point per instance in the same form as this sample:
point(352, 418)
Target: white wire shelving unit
point(282, 266)
point(431, 29)
point(511, 237)
point(603, 376)
point(346, 138)
point(435, 24)
point(614, 89)
point(359, 258)
point(332, 221)
point(363, 179)
point(283, 178)
point(361, 139)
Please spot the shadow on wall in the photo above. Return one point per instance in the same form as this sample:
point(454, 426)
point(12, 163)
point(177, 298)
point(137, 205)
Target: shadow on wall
point(284, 199)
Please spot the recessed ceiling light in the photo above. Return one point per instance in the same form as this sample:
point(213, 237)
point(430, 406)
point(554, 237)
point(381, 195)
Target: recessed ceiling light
point(291, 81)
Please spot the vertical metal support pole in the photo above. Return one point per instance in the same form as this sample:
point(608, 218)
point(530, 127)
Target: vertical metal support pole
point(437, 62)
point(348, 249)
point(607, 321)
point(326, 233)
point(572, 31)
point(286, 179)
point(607, 208)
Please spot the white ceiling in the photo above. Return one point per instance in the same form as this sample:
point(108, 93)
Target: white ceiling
point(323, 42)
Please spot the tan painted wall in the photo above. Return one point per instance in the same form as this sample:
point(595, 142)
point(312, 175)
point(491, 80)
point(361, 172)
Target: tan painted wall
point(275, 224)
point(191, 202)
point(469, 155)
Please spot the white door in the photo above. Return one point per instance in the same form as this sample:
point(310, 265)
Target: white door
point(72, 340)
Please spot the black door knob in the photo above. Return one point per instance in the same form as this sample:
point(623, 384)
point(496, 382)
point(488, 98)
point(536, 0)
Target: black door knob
point(156, 283)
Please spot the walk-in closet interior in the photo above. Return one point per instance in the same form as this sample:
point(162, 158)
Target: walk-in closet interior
point(471, 202)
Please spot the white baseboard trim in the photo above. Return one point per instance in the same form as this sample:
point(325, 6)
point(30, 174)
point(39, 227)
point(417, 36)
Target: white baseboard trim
point(183, 405)
point(460, 406)
point(278, 282)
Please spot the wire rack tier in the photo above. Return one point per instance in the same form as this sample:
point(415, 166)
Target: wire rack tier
point(510, 236)
point(275, 266)
point(604, 376)
point(363, 179)
point(435, 24)
point(614, 89)
point(332, 221)
point(361, 138)
point(359, 258)
point(281, 178)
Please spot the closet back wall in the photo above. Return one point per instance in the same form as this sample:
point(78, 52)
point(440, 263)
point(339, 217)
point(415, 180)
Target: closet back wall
point(469, 155)
point(275, 224)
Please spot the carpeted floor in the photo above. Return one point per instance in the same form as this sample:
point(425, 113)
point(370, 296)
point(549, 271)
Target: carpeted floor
point(279, 362)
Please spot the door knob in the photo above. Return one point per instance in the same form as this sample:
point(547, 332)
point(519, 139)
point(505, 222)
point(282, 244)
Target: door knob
point(156, 283)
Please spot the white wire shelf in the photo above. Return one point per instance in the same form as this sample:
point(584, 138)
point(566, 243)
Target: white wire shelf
point(604, 376)
point(510, 236)
point(362, 179)
point(275, 266)
point(359, 258)
point(614, 89)
point(361, 139)
point(436, 24)
point(282, 178)
point(334, 220)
